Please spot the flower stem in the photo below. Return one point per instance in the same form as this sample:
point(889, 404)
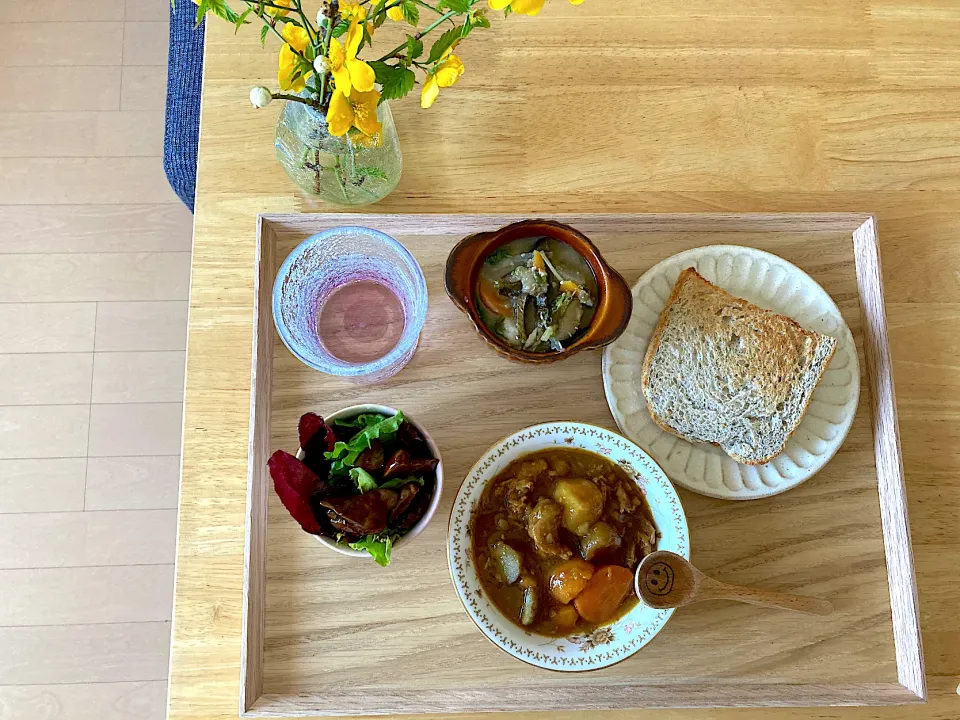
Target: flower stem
point(337, 171)
point(295, 98)
point(438, 11)
point(272, 24)
point(306, 23)
point(432, 26)
point(325, 49)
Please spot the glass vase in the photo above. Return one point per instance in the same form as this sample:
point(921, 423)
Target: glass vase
point(355, 169)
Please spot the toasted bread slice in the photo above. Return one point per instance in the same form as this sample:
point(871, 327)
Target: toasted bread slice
point(722, 370)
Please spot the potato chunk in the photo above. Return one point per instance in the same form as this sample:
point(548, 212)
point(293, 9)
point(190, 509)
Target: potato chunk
point(582, 504)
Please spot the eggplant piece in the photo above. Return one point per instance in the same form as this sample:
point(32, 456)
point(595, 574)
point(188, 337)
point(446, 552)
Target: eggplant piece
point(372, 458)
point(403, 463)
point(531, 599)
point(569, 322)
point(508, 560)
point(519, 319)
point(364, 514)
point(600, 539)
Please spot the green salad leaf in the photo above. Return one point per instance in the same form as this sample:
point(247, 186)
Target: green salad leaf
point(361, 421)
point(397, 482)
point(364, 480)
point(344, 454)
point(378, 546)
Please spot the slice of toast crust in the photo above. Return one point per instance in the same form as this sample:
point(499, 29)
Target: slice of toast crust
point(684, 276)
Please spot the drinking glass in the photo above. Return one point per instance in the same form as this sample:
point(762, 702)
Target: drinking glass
point(359, 284)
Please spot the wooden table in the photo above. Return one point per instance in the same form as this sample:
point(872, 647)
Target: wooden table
point(677, 106)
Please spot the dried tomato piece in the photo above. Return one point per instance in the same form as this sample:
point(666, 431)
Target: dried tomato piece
point(414, 512)
point(410, 438)
point(407, 493)
point(361, 514)
point(372, 458)
point(294, 483)
point(402, 463)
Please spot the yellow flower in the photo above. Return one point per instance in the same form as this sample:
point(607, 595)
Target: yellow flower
point(277, 12)
point(359, 111)
point(395, 13)
point(367, 141)
point(445, 75)
point(293, 71)
point(523, 7)
point(353, 11)
point(349, 73)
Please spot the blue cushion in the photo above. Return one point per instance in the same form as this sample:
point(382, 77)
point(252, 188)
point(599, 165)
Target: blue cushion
point(184, 80)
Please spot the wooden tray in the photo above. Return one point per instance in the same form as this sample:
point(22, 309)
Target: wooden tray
point(330, 635)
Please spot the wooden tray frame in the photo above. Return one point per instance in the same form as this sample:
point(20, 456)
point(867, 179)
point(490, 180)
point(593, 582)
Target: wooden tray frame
point(893, 503)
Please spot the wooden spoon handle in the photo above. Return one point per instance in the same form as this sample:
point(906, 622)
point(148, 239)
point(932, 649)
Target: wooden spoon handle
point(716, 590)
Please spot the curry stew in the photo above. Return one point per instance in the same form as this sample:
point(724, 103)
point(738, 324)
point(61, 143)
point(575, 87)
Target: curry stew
point(557, 537)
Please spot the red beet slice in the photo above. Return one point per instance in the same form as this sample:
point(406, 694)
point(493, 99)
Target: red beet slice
point(313, 427)
point(294, 482)
point(316, 438)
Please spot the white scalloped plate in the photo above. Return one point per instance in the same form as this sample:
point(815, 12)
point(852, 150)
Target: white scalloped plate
point(770, 282)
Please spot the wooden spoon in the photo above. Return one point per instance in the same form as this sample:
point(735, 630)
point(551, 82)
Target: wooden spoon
point(667, 580)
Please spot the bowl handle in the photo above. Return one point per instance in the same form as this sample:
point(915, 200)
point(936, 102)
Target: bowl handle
point(461, 263)
point(613, 313)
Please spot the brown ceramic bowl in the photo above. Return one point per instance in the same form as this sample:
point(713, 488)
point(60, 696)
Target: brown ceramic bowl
point(614, 303)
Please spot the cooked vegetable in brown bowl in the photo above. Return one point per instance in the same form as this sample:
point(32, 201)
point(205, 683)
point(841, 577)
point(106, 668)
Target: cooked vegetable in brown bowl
point(365, 481)
point(538, 290)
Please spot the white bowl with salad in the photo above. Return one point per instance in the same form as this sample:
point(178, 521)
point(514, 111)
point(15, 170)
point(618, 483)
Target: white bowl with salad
point(365, 481)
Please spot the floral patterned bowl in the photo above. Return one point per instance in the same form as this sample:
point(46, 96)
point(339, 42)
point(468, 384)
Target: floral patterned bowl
point(606, 645)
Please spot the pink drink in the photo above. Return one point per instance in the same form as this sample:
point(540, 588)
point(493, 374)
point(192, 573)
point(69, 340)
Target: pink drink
point(360, 322)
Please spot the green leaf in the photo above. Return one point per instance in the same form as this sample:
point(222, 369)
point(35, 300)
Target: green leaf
point(340, 28)
point(414, 47)
point(507, 11)
point(367, 39)
point(444, 43)
point(242, 20)
point(480, 19)
point(361, 421)
point(497, 255)
point(370, 171)
point(218, 8)
point(264, 31)
point(411, 13)
point(397, 482)
point(395, 81)
point(344, 454)
point(378, 546)
point(461, 6)
point(363, 479)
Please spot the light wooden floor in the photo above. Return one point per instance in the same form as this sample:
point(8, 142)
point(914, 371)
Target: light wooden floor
point(94, 271)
